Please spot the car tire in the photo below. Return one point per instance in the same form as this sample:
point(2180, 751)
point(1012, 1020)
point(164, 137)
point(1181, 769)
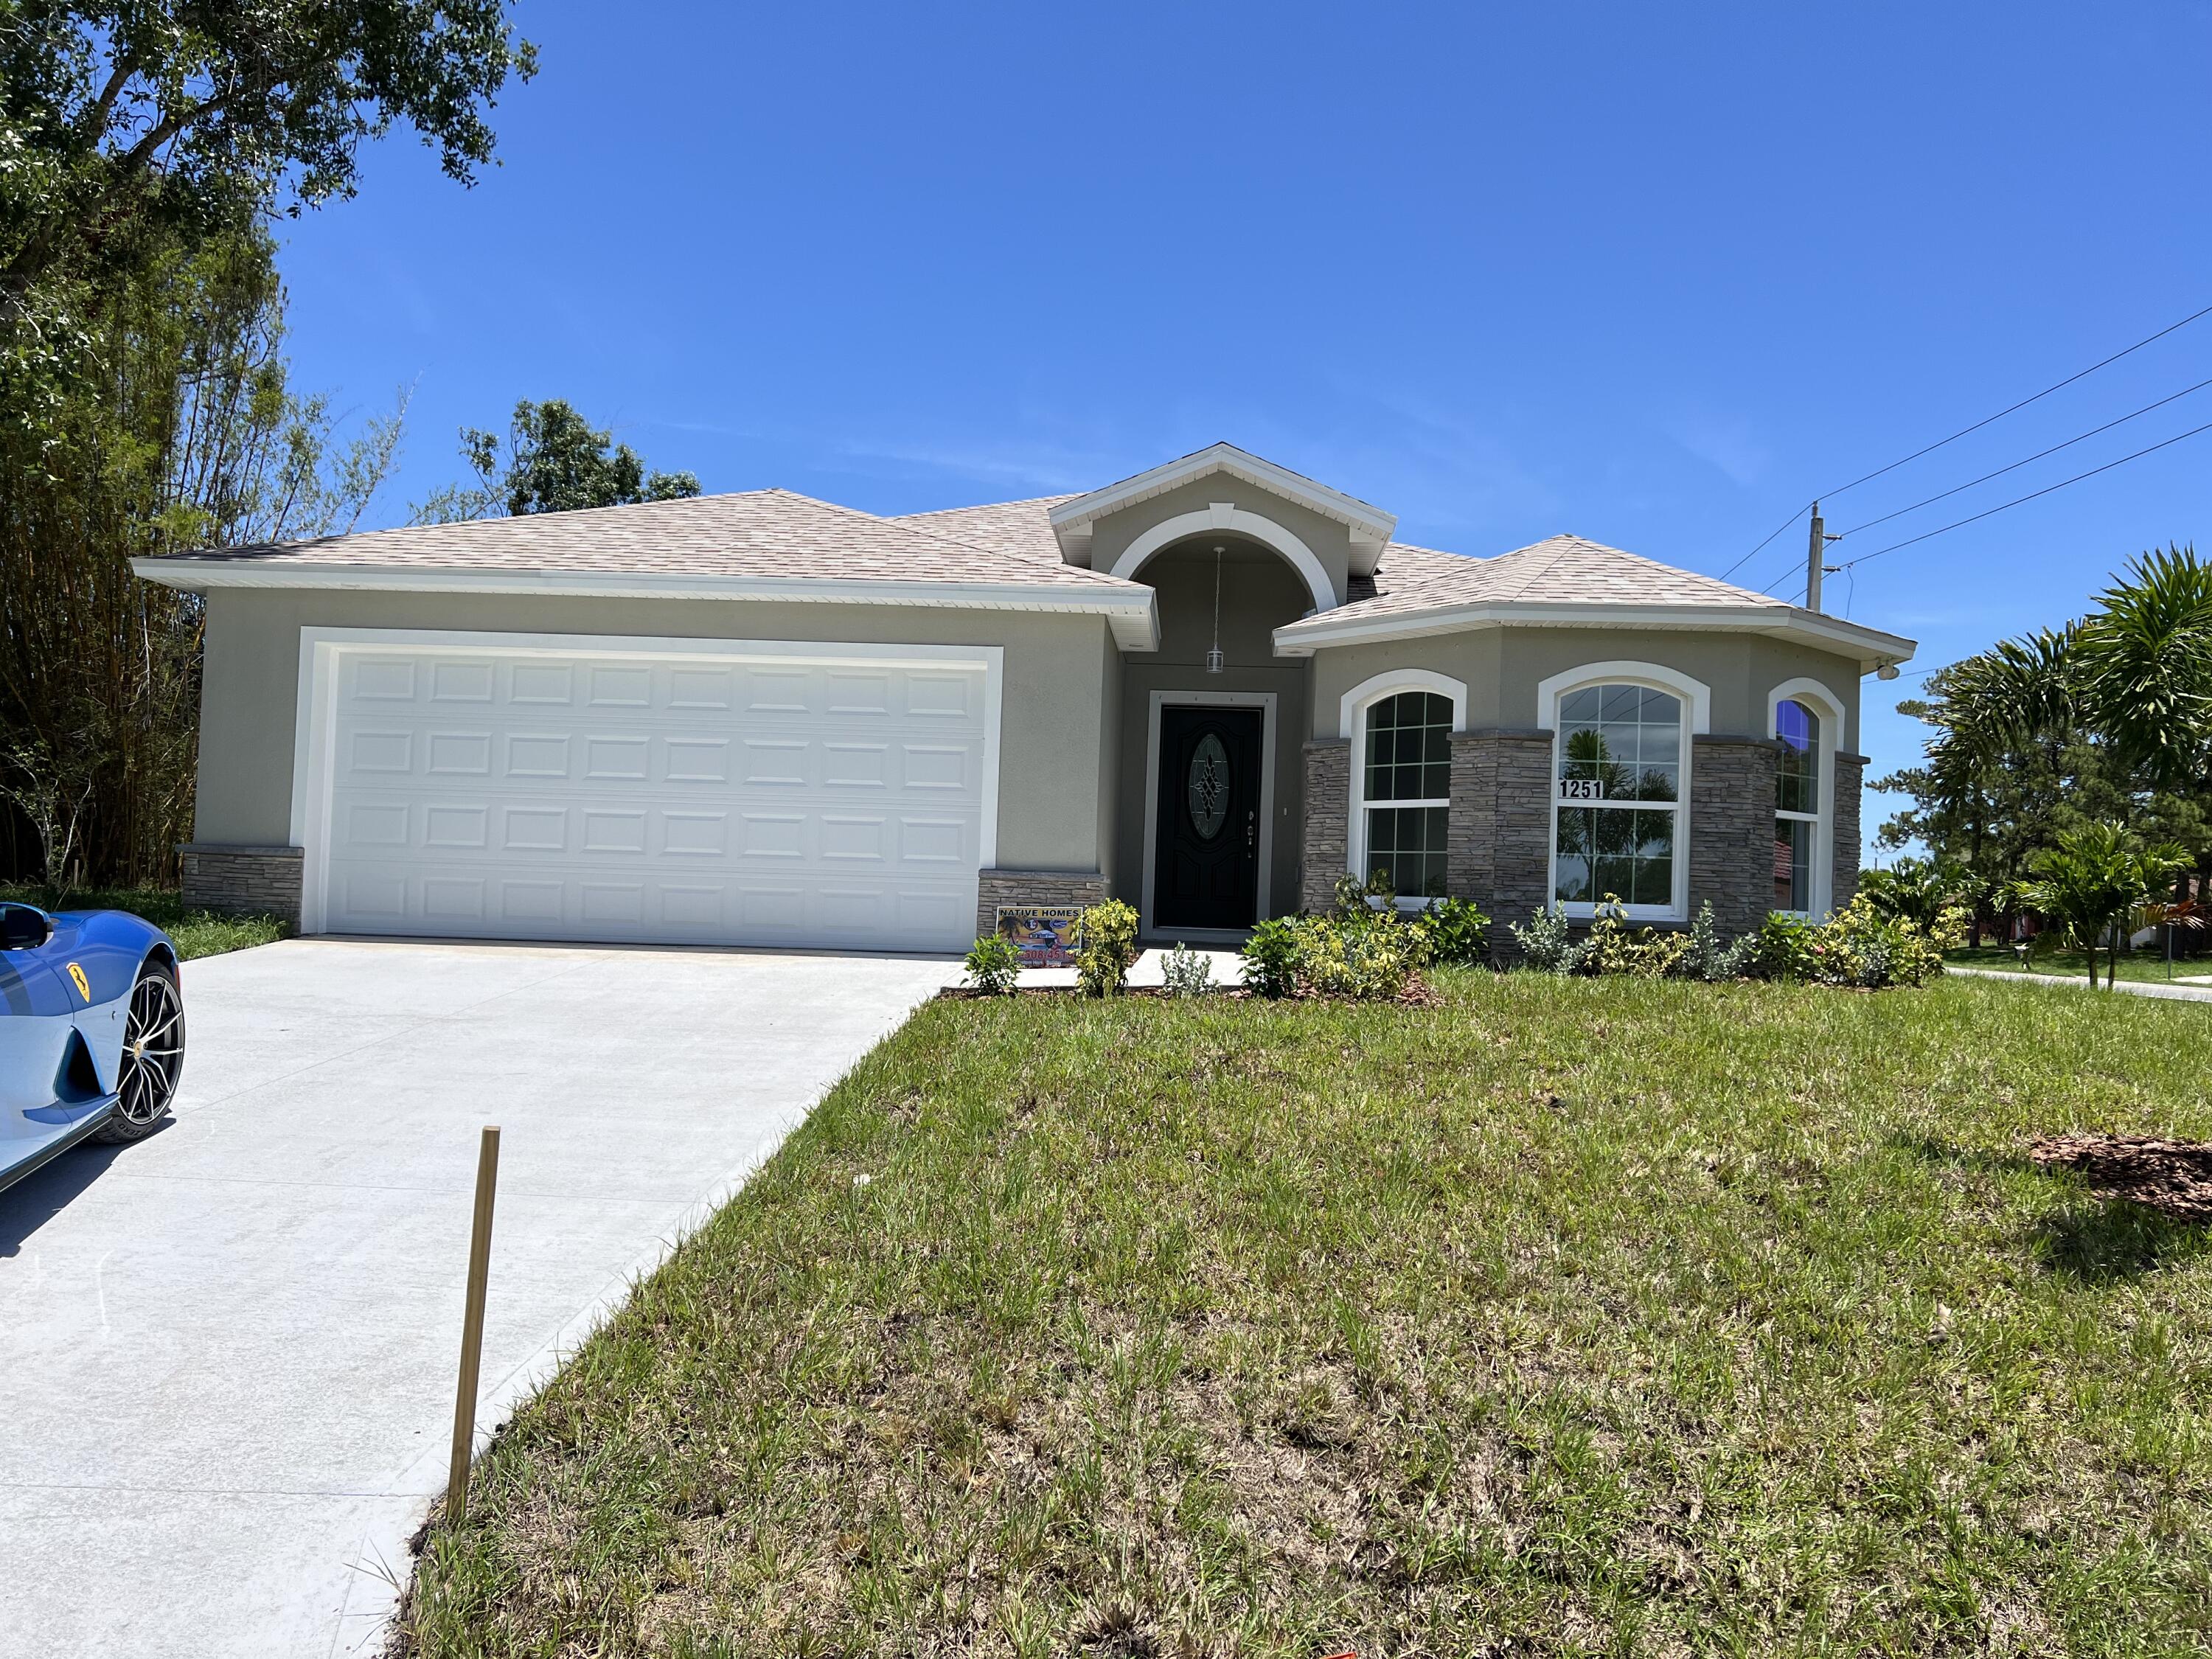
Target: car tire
point(153, 1061)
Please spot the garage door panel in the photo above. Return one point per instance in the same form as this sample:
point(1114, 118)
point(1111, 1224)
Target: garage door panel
point(523, 795)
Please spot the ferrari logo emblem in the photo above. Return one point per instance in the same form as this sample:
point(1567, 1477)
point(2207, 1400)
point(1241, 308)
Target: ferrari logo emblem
point(83, 985)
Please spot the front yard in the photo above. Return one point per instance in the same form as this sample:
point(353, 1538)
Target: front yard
point(2149, 965)
point(1564, 1316)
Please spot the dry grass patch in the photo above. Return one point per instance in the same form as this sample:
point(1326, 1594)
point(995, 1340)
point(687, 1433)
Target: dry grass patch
point(1564, 1316)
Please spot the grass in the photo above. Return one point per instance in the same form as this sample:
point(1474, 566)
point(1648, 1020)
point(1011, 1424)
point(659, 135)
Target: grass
point(2148, 964)
point(197, 932)
point(1564, 1317)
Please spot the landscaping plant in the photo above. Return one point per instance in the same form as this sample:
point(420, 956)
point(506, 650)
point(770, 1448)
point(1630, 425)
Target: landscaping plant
point(1548, 942)
point(1271, 957)
point(994, 965)
point(2091, 884)
point(1106, 939)
point(1458, 931)
point(1187, 973)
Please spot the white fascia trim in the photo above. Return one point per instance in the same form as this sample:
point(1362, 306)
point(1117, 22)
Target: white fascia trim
point(1363, 519)
point(1870, 646)
point(315, 715)
point(1694, 692)
point(1132, 613)
point(1388, 683)
point(1226, 516)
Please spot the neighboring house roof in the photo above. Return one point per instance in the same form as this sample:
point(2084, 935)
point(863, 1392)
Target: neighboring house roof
point(1565, 580)
point(764, 543)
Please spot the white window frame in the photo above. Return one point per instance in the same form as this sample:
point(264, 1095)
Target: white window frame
point(1697, 701)
point(1352, 718)
point(1819, 891)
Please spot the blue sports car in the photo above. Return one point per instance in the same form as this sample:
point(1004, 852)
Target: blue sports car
point(92, 1031)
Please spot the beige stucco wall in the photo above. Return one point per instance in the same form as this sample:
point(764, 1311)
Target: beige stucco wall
point(1329, 541)
point(1056, 758)
point(1502, 666)
point(1259, 594)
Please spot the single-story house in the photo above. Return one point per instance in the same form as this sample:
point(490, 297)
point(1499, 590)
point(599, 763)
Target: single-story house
point(1212, 689)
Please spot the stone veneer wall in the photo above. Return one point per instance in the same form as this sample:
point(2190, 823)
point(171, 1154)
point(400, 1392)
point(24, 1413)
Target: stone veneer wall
point(1329, 795)
point(997, 887)
point(1732, 828)
point(1851, 771)
point(243, 881)
point(1501, 822)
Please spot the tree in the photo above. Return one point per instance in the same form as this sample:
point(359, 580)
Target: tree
point(2094, 880)
point(556, 463)
point(1916, 891)
point(134, 126)
point(2146, 666)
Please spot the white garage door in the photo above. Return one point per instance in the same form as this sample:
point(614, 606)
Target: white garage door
point(672, 796)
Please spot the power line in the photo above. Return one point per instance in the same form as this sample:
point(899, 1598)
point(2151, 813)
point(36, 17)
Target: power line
point(2016, 465)
point(1963, 431)
point(2032, 495)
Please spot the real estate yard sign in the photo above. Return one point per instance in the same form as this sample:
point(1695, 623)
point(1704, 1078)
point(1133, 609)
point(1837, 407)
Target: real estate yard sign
point(1043, 933)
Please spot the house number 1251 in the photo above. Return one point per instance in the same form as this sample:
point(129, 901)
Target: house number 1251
point(1582, 788)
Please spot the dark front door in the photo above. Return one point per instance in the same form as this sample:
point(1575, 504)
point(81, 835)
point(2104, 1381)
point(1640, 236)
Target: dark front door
point(1205, 865)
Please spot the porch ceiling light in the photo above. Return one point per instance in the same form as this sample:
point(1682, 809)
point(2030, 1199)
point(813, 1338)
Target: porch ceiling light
point(1213, 657)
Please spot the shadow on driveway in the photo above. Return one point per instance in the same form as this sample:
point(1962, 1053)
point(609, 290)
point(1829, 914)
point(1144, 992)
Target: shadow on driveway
point(38, 1198)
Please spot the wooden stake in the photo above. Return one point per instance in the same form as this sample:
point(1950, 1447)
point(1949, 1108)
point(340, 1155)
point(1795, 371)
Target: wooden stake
point(465, 1398)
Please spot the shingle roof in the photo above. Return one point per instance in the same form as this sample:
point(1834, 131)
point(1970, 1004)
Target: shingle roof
point(1559, 570)
point(761, 533)
point(1019, 527)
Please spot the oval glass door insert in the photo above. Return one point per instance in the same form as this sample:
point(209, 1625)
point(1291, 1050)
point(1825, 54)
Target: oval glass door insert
point(1209, 787)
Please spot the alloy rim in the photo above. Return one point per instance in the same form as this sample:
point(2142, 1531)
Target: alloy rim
point(153, 1049)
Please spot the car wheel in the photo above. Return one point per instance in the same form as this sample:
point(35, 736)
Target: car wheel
point(153, 1055)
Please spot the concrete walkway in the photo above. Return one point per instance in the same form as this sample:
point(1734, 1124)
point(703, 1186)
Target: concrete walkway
point(2135, 988)
point(227, 1353)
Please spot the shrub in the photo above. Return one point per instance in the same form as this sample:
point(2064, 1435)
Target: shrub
point(1271, 957)
point(1458, 931)
point(1548, 945)
point(1108, 936)
point(1860, 947)
point(1781, 949)
point(1368, 960)
point(1615, 947)
point(1187, 973)
point(993, 961)
point(1707, 957)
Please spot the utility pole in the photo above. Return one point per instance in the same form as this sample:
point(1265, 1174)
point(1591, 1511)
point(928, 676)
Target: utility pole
point(1814, 561)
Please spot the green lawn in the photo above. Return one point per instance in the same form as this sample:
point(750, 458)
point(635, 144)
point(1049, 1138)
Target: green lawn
point(197, 932)
point(1564, 1317)
point(2145, 964)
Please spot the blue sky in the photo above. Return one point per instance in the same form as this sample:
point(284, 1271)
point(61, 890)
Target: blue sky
point(1654, 275)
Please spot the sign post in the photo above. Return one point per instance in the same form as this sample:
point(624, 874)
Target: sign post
point(465, 1398)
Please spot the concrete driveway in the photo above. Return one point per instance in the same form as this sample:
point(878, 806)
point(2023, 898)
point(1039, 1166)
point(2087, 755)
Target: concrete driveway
point(227, 1354)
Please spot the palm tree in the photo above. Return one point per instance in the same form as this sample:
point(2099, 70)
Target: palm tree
point(2093, 881)
point(2145, 662)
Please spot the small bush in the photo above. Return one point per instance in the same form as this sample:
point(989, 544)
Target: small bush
point(1547, 943)
point(1782, 948)
point(1368, 956)
point(1707, 957)
point(1615, 947)
point(1458, 931)
point(1108, 936)
point(1187, 973)
point(1271, 958)
point(993, 964)
point(1860, 947)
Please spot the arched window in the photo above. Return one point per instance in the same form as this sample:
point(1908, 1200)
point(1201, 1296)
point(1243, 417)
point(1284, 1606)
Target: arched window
point(1406, 790)
point(1618, 778)
point(1797, 837)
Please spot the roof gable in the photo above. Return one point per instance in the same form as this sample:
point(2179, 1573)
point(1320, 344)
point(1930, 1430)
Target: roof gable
point(1371, 528)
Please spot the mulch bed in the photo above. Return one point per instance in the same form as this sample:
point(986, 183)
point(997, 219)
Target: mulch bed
point(2172, 1176)
point(1417, 994)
